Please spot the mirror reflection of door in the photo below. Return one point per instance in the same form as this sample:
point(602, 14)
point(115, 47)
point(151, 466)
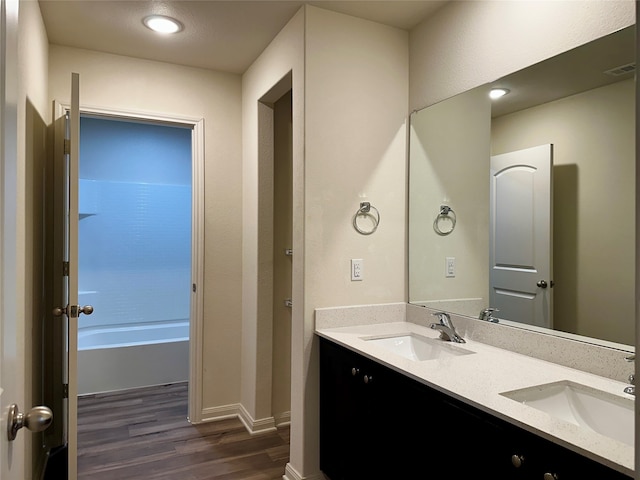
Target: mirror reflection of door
point(520, 273)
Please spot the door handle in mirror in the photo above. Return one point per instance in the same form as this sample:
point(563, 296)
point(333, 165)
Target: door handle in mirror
point(542, 284)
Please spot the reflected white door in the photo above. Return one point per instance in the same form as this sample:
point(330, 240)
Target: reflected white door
point(521, 236)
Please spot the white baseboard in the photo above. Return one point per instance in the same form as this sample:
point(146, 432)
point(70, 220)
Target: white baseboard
point(290, 473)
point(252, 425)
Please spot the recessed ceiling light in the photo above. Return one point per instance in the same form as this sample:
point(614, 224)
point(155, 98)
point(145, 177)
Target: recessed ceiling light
point(498, 92)
point(162, 24)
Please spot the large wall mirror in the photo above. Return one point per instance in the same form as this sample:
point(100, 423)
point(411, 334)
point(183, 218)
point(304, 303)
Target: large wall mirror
point(578, 110)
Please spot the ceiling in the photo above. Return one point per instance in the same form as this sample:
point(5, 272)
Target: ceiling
point(219, 35)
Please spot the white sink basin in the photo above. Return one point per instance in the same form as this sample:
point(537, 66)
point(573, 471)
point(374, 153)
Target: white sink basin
point(605, 413)
point(417, 347)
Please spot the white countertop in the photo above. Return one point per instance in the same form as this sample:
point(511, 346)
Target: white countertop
point(479, 379)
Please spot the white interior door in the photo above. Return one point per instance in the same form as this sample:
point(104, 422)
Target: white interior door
point(61, 350)
point(521, 236)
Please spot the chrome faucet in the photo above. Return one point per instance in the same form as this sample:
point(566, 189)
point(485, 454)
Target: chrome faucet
point(487, 314)
point(445, 327)
point(631, 389)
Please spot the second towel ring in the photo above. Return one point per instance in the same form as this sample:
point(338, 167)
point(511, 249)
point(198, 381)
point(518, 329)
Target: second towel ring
point(446, 212)
point(365, 210)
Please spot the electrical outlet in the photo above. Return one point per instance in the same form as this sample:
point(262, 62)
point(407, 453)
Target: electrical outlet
point(450, 267)
point(356, 269)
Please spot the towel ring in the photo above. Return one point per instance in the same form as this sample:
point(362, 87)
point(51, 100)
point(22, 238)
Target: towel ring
point(446, 212)
point(365, 210)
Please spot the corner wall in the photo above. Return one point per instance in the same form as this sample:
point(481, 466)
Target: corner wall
point(281, 65)
point(350, 94)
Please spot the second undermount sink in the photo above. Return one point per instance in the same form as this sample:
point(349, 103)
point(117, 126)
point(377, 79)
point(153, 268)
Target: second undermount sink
point(602, 412)
point(417, 347)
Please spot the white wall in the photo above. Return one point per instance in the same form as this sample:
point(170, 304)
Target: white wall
point(129, 84)
point(356, 115)
point(466, 44)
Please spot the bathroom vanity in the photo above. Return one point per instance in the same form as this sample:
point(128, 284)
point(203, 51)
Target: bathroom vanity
point(453, 410)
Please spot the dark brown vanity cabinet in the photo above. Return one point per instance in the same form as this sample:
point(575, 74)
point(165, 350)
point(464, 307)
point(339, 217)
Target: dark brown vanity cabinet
point(376, 423)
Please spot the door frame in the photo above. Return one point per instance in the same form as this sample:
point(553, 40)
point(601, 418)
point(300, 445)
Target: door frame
point(196, 316)
point(14, 361)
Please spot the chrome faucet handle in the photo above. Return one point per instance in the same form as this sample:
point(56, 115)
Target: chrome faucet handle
point(448, 334)
point(443, 319)
point(487, 314)
point(446, 328)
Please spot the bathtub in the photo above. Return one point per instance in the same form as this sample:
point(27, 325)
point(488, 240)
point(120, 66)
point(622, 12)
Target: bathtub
point(122, 357)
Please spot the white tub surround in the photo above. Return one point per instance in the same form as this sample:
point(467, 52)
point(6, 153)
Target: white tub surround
point(122, 357)
point(479, 378)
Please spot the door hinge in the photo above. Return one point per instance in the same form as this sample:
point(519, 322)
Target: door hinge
point(65, 269)
point(67, 146)
point(65, 390)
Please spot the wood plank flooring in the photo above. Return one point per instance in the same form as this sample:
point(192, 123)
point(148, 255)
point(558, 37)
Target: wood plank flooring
point(143, 434)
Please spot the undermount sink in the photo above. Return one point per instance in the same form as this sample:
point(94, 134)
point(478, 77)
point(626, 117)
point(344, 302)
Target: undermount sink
point(417, 347)
point(602, 412)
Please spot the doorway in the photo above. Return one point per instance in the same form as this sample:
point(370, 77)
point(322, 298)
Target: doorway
point(282, 258)
point(134, 268)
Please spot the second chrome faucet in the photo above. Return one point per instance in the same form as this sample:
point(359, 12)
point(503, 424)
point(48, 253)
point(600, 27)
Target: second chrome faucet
point(445, 327)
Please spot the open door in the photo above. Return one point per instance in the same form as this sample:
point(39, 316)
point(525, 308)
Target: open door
point(520, 244)
point(61, 350)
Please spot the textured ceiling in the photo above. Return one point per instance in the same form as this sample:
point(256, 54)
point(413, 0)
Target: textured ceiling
point(219, 35)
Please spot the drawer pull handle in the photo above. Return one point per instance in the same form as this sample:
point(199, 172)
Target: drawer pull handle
point(517, 460)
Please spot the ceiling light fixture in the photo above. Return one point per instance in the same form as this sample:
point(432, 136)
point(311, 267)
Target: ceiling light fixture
point(162, 24)
point(498, 92)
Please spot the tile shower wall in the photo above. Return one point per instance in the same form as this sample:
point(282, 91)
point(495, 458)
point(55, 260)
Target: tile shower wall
point(135, 223)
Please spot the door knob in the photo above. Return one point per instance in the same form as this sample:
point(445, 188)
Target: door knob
point(87, 309)
point(36, 420)
point(74, 310)
point(542, 284)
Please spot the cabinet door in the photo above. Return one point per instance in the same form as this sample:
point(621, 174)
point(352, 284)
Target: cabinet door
point(363, 421)
point(544, 457)
point(337, 402)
